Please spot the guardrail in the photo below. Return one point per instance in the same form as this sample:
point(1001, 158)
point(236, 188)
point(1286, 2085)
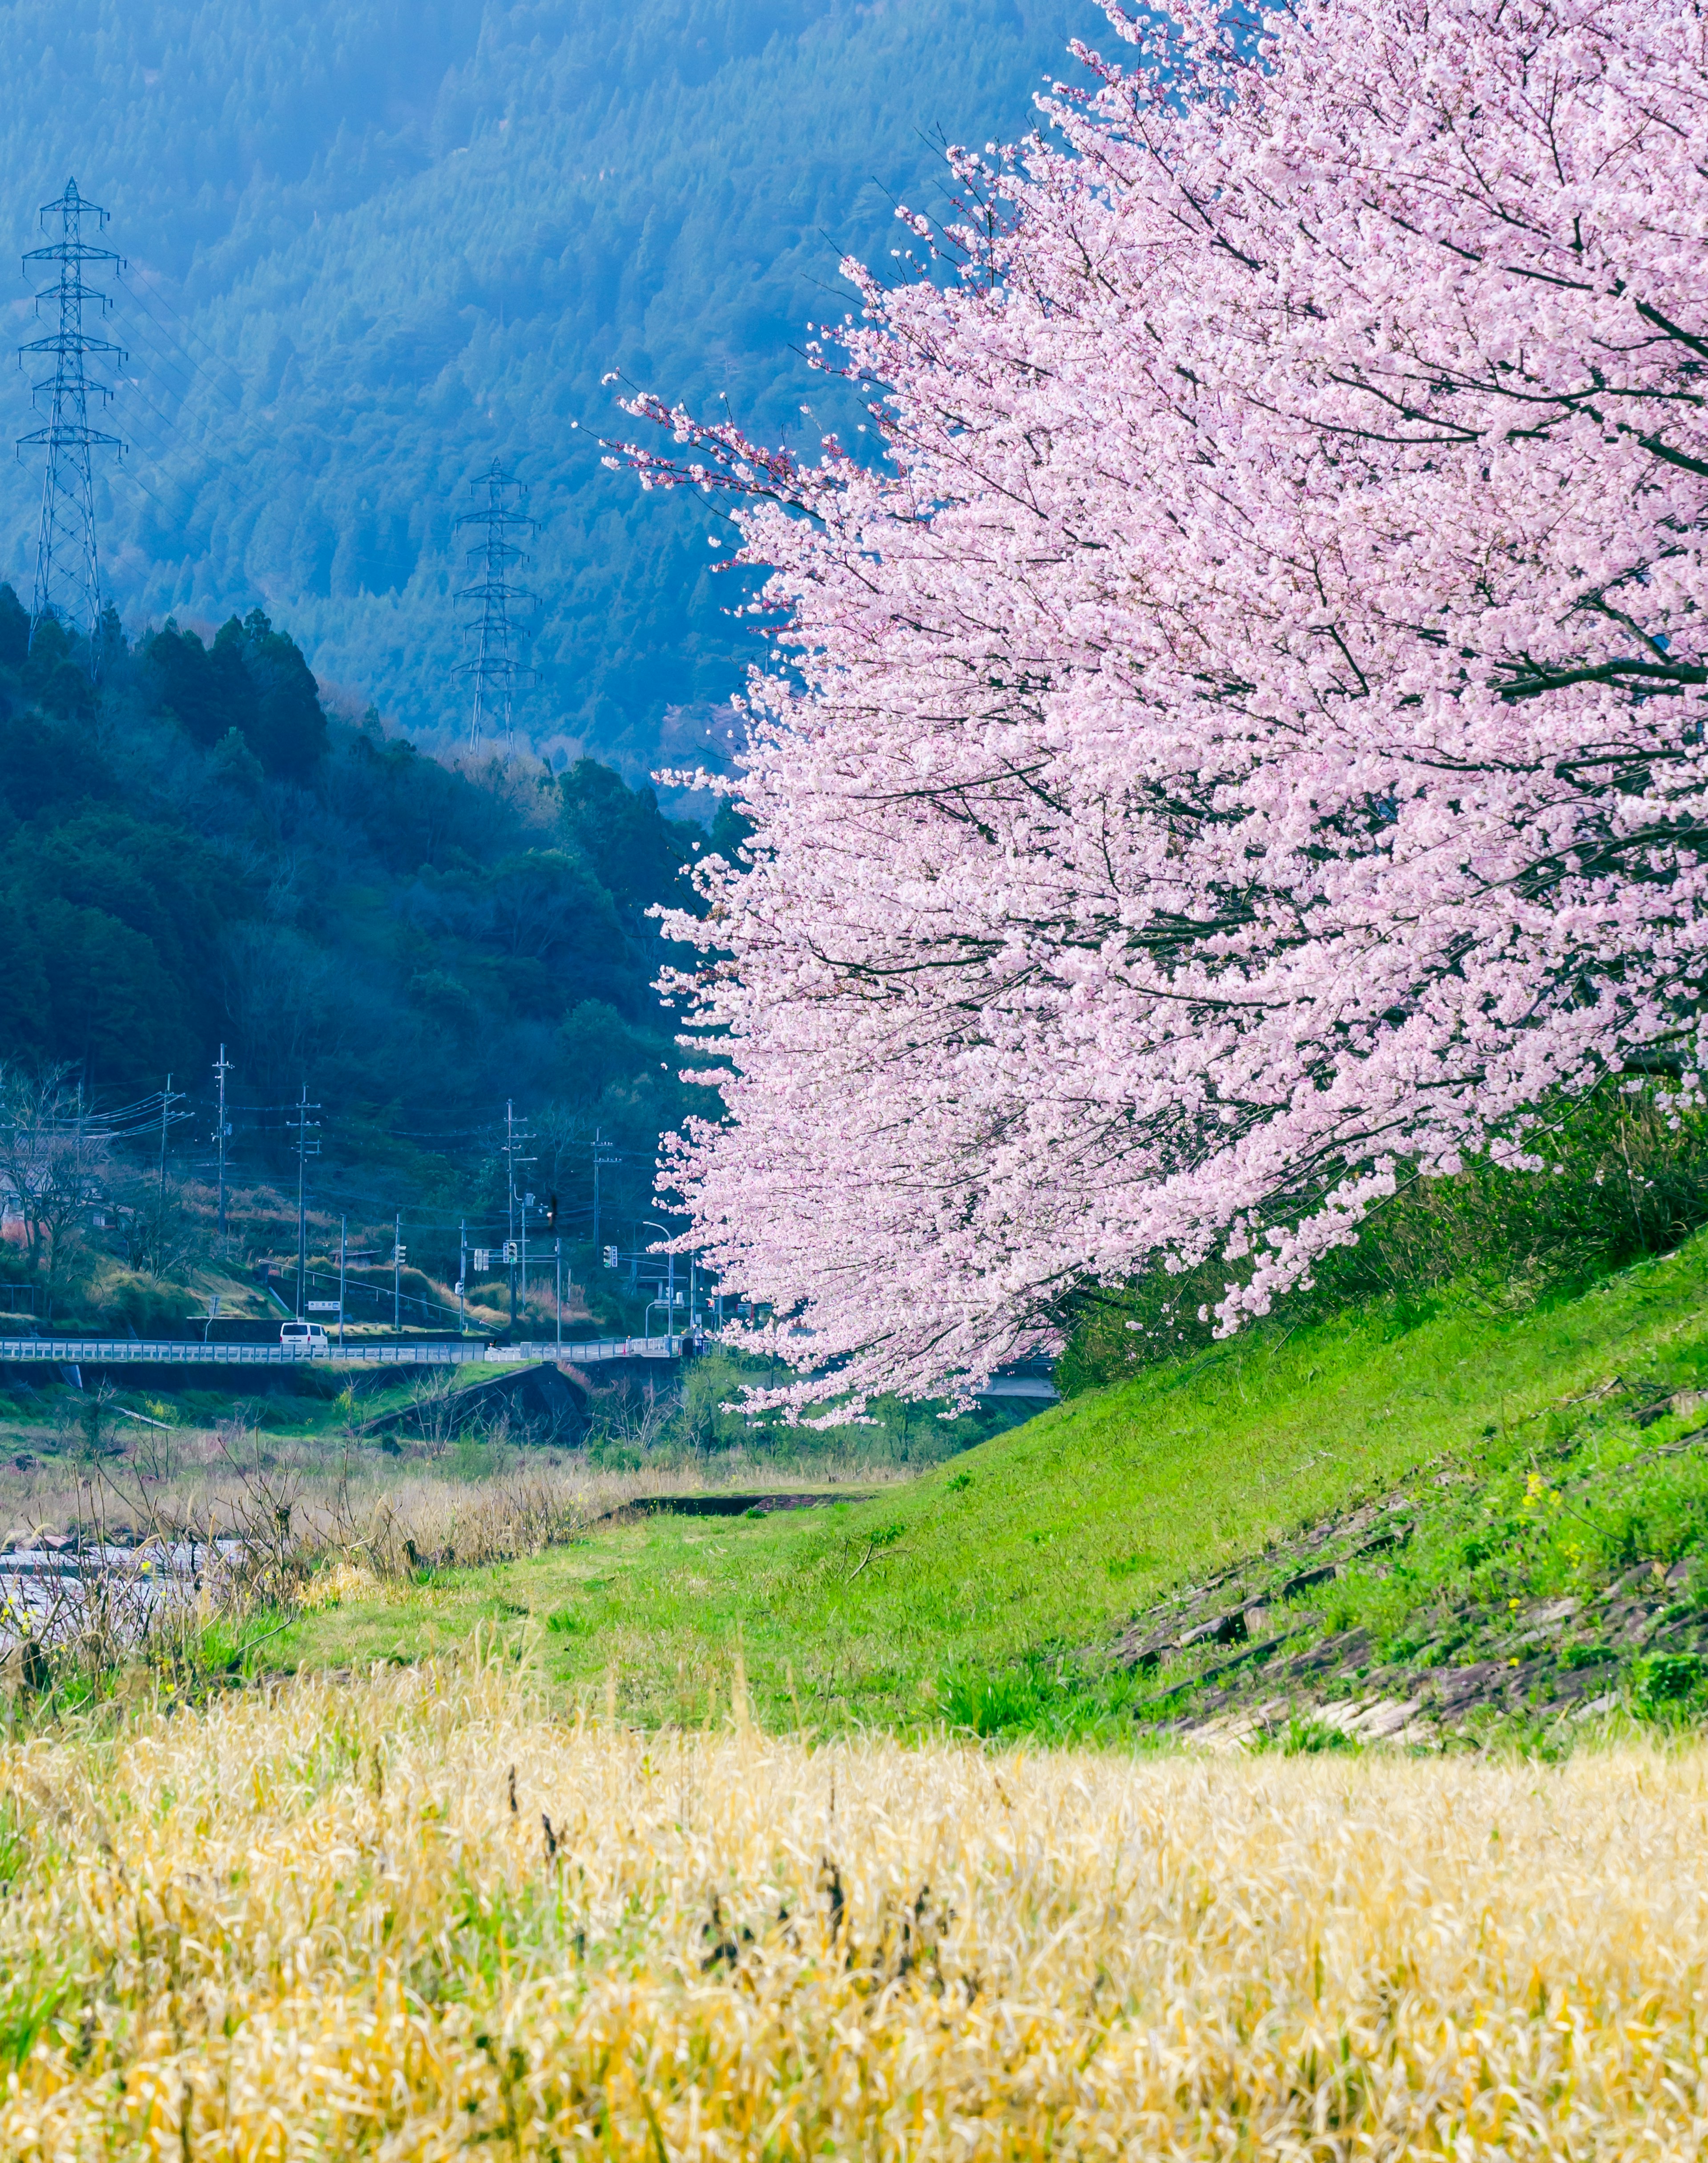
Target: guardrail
point(170, 1352)
point(590, 1355)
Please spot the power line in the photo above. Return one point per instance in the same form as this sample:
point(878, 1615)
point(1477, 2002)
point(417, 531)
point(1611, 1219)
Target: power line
point(169, 355)
point(67, 565)
point(218, 359)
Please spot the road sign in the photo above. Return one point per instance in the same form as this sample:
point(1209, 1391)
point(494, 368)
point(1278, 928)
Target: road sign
point(323, 1307)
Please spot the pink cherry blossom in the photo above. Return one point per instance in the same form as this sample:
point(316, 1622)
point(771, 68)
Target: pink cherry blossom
point(1246, 740)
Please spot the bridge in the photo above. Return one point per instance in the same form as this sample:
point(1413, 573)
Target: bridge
point(1034, 1388)
point(442, 1352)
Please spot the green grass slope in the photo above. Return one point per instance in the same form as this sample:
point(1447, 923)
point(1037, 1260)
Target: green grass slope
point(1050, 1539)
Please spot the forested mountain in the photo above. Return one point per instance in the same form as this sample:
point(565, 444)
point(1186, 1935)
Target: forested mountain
point(371, 246)
point(200, 853)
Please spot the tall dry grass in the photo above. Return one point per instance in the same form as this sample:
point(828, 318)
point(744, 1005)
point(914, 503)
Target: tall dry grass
point(335, 1922)
point(341, 1496)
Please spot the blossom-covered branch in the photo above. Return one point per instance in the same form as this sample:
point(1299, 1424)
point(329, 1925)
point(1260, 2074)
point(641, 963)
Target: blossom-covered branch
point(1249, 731)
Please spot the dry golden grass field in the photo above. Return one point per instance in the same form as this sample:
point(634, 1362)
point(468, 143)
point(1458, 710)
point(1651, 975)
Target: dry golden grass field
point(330, 1922)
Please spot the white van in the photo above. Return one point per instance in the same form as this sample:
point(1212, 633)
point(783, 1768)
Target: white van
point(303, 1336)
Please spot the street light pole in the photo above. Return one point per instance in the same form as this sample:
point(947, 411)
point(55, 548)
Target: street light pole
point(653, 1225)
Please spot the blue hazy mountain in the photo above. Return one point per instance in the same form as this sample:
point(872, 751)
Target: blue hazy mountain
point(371, 247)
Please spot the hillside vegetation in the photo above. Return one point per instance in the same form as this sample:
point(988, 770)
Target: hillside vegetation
point(206, 850)
point(372, 246)
point(994, 1591)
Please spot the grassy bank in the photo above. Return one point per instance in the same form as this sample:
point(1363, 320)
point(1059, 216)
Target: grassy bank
point(899, 1611)
point(406, 1917)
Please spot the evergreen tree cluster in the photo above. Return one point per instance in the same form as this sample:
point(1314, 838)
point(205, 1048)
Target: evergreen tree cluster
point(252, 689)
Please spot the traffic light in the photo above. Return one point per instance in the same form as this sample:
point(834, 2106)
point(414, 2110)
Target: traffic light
point(610, 1258)
point(551, 1214)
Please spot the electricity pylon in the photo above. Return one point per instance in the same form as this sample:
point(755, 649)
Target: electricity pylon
point(67, 566)
point(494, 664)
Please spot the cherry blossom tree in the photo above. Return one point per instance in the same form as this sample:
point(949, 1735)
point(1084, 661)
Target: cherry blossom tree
point(1242, 743)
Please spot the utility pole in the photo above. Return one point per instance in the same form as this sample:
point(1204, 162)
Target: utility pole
point(462, 1277)
point(397, 1272)
point(67, 566)
point(557, 1258)
point(343, 1251)
point(305, 1149)
point(492, 596)
point(510, 1192)
point(221, 1068)
point(597, 1161)
point(169, 1097)
point(167, 1101)
point(512, 1140)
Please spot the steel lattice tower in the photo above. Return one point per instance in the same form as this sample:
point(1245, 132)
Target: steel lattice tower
point(494, 664)
point(67, 567)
